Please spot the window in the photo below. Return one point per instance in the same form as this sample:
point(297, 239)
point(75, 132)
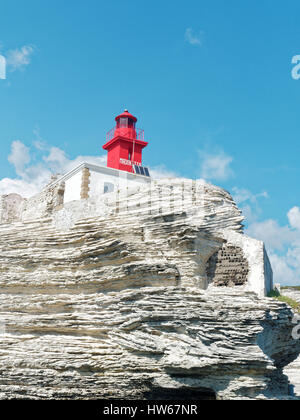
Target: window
point(131, 123)
point(108, 187)
point(123, 122)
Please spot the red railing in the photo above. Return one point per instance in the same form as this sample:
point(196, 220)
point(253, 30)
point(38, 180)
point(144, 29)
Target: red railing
point(139, 134)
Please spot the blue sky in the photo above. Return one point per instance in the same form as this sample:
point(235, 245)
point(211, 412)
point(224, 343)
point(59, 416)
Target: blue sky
point(210, 82)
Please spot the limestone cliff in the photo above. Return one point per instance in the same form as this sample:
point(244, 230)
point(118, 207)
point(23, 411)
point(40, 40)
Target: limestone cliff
point(293, 369)
point(121, 296)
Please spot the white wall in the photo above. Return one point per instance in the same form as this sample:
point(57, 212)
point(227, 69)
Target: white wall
point(99, 177)
point(73, 187)
point(268, 273)
point(121, 180)
point(260, 277)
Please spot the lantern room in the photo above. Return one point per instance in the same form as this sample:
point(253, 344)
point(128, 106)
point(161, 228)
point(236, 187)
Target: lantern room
point(125, 125)
point(124, 144)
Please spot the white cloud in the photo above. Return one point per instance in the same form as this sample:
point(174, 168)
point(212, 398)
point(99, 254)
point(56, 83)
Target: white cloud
point(241, 195)
point(2, 67)
point(158, 172)
point(19, 58)
point(56, 159)
point(39, 142)
point(33, 177)
point(248, 202)
point(283, 273)
point(276, 237)
point(294, 217)
point(19, 156)
point(18, 186)
point(192, 38)
point(283, 245)
point(215, 166)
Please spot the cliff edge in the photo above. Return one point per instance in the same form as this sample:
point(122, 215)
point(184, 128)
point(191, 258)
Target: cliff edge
point(148, 293)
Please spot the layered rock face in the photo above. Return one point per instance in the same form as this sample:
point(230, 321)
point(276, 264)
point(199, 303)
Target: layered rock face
point(184, 222)
point(146, 343)
point(293, 369)
point(115, 297)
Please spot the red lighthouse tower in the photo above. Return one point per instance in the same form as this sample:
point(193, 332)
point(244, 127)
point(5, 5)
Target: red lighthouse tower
point(124, 144)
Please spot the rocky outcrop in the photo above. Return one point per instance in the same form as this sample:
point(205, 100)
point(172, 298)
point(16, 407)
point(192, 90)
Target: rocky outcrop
point(293, 369)
point(181, 223)
point(10, 208)
point(291, 292)
point(109, 298)
point(144, 343)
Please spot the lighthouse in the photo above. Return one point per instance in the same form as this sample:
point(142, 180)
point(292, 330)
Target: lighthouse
point(124, 169)
point(125, 144)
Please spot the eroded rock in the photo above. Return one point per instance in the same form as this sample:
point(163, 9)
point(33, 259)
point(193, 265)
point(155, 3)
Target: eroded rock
point(109, 297)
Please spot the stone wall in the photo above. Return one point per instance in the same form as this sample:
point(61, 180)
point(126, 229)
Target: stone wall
point(260, 276)
point(85, 182)
point(228, 267)
point(44, 204)
point(10, 208)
